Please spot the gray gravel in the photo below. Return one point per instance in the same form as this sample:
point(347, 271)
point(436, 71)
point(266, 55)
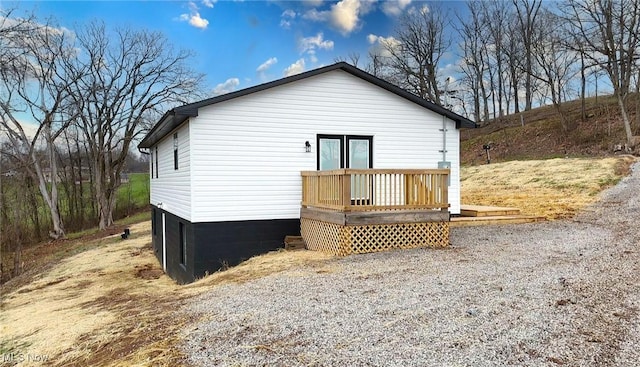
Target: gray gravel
point(543, 294)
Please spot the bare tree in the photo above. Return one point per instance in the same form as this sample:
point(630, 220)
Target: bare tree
point(129, 77)
point(556, 62)
point(33, 82)
point(353, 58)
point(496, 15)
point(423, 40)
point(526, 13)
point(12, 25)
point(514, 51)
point(610, 33)
point(473, 34)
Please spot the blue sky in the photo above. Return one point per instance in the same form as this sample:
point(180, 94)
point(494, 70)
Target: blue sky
point(243, 43)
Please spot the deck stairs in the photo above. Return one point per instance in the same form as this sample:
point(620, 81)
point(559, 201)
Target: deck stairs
point(294, 243)
point(473, 215)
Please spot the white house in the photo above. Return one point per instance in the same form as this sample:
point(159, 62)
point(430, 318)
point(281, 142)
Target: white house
point(226, 171)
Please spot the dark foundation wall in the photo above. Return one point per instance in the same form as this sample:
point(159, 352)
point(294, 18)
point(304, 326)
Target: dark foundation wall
point(156, 232)
point(214, 245)
point(222, 244)
point(177, 233)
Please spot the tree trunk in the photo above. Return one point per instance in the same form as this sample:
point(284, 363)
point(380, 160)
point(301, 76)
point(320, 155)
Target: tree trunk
point(625, 120)
point(56, 221)
point(58, 230)
point(17, 251)
point(583, 88)
point(516, 102)
point(106, 205)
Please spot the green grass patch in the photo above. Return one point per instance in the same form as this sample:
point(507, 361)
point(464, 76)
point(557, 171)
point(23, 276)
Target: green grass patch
point(135, 193)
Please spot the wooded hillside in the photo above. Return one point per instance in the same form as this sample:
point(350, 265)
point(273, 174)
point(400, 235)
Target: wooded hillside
point(538, 133)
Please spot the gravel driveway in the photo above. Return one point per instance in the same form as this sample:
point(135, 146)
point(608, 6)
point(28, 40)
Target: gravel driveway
point(543, 294)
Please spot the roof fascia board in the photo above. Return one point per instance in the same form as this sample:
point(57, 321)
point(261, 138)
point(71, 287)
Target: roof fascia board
point(191, 110)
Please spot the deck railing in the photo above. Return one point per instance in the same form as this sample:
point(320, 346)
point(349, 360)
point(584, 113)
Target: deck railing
point(375, 189)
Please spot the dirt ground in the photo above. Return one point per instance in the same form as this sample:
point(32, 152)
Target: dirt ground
point(111, 305)
point(94, 308)
point(106, 302)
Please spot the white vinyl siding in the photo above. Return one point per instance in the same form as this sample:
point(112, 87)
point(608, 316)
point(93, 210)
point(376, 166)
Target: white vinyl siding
point(247, 153)
point(172, 188)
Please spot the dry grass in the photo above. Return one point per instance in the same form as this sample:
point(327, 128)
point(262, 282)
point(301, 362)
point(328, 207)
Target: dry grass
point(85, 302)
point(554, 188)
point(112, 305)
point(106, 302)
point(261, 266)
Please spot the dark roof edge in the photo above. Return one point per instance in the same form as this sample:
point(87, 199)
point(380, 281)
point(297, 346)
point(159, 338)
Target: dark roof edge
point(173, 118)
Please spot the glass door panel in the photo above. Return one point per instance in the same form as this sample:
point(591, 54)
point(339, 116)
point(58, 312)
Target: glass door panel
point(359, 157)
point(330, 153)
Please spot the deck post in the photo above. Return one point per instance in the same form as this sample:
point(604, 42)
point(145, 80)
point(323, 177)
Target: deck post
point(346, 191)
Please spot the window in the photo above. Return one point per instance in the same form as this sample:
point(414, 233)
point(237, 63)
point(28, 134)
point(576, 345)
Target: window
point(183, 245)
point(175, 151)
point(156, 162)
point(151, 163)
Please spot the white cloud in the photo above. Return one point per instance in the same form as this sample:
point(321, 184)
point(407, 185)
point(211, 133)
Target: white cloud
point(395, 7)
point(286, 18)
point(343, 15)
point(227, 87)
point(449, 71)
point(266, 65)
point(30, 129)
point(209, 3)
point(316, 15)
point(423, 10)
point(295, 68)
point(312, 56)
point(198, 21)
point(312, 43)
point(382, 46)
point(289, 13)
point(194, 17)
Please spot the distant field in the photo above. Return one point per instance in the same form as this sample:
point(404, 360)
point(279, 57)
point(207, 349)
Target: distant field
point(554, 188)
point(133, 194)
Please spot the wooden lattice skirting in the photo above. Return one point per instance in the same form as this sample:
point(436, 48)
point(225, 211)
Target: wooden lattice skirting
point(358, 239)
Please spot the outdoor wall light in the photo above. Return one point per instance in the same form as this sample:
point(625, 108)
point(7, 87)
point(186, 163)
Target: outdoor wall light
point(307, 146)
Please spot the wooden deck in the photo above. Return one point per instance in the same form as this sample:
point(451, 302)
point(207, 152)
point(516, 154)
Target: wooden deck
point(475, 215)
point(352, 211)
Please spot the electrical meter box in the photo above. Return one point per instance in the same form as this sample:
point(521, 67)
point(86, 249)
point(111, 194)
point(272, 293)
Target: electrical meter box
point(445, 165)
